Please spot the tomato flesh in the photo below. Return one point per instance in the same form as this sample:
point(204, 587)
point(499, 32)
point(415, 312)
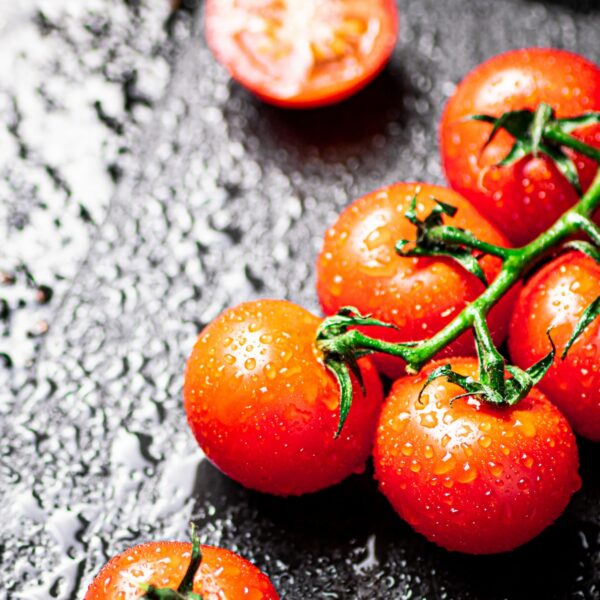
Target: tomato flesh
point(556, 297)
point(302, 53)
point(471, 477)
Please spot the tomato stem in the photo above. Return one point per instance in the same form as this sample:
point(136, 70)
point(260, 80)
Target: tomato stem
point(556, 134)
point(343, 344)
point(184, 590)
point(516, 264)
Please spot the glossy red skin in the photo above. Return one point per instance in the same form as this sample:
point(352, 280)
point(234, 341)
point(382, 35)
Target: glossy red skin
point(523, 199)
point(473, 478)
point(264, 408)
point(359, 267)
point(556, 297)
point(222, 574)
point(330, 88)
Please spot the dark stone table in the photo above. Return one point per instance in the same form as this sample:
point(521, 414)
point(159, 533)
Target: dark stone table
point(141, 192)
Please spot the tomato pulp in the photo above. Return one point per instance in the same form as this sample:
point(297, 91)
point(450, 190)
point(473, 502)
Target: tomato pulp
point(302, 53)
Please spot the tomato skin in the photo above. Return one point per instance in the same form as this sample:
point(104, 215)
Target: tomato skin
point(327, 80)
point(359, 267)
point(264, 408)
point(556, 297)
point(473, 478)
point(222, 574)
point(524, 199)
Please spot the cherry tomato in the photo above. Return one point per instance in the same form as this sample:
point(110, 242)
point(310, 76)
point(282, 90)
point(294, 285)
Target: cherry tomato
point(556, 297)
point(302, 53)
point(359, 267)
point(222, 574)
point(468, 476)
point(265, 409)
point(525, 198)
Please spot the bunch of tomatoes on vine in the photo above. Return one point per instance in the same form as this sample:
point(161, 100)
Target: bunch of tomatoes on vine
point(472, 440)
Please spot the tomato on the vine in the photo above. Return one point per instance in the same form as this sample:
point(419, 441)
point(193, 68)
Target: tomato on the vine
point(555, 297)
point(302, 53)
point(358, 266)
point(264, 407)
point(525, 198)
point(469, 476)
point(222, 573)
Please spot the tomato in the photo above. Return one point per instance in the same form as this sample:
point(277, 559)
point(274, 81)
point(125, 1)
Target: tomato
point(556, 297)
point(265, 409)
point(302, 53)
point(468, 476)
point(525, 198)
point(359, 267)
point(222, 574)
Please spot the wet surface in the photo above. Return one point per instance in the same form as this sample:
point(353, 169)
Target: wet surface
point(141, 193)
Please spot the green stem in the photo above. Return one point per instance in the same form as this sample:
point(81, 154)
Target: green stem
point(516, 263)
point(555, 134)
point(490, 360)
point(460, 237)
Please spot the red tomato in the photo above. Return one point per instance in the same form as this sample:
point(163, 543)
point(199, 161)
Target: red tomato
point(302, 53)
point(556, 297)
point(359, 267)
point(526, 198)
point(222, 574)
point(471, 477)
point(264, 408)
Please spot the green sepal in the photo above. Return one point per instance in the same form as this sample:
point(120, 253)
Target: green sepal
point(564, 164)
point(184, 591)
point(523, 380)
point(340, 357)
point(341, 371)
point(470, 385)
point(346, 317)
point(515, 388)
point(516, 122)
point(426, 246)
point(589, 314)
point(462, 256)
point(586, 247)
point(530, 128)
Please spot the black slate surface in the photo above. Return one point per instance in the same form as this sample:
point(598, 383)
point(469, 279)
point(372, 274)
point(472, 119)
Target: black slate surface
point(142, 192)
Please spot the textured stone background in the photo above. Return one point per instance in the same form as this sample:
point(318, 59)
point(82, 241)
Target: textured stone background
point(141, 192)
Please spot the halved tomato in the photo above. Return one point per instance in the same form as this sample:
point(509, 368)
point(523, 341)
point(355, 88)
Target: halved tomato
point(302, 53)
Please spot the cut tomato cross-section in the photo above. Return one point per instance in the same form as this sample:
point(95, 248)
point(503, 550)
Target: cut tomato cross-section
point(302, 53)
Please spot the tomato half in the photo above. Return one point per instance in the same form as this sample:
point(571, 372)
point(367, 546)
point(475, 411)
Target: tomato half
point(265, 409)
point(359, 267)
point(222, 574)
point(556, 297)
point(468, 476)
point(302, 53)
point(525, 198)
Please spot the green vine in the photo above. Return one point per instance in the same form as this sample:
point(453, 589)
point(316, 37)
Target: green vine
point(534, 132)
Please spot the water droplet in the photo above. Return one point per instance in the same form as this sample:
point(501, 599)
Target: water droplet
point(485, 441)
point(429, 420)
point(407, 449)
